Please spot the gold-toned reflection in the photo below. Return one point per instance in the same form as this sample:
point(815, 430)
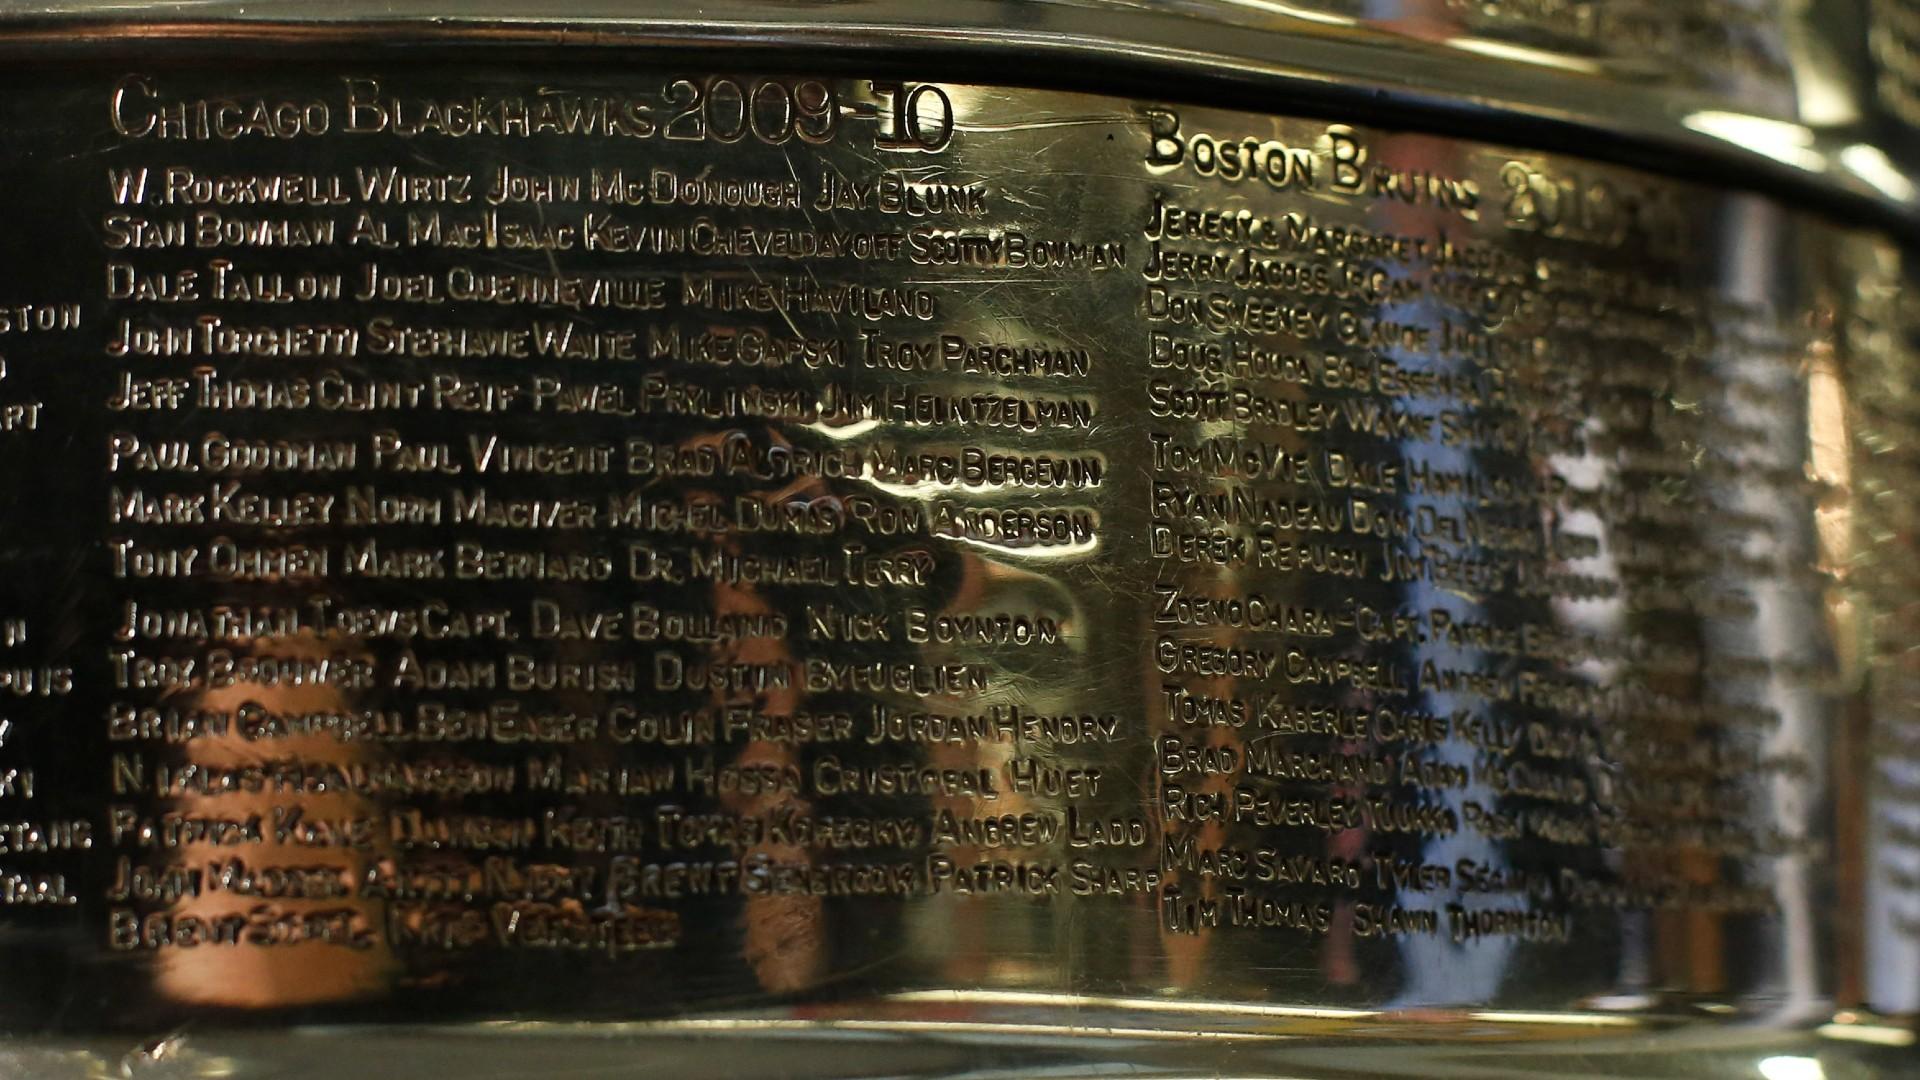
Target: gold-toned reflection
point(783, 936)
point(1831, 452)
point(303, 876)
point(1496, 767)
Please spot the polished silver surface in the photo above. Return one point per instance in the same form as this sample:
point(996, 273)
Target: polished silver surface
point(523, 558)
point(1792, 95)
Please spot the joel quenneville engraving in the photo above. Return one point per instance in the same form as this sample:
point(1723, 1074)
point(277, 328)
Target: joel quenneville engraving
point(607, 542)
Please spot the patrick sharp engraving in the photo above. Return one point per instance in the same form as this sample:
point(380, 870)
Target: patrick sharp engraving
point(1175, 552)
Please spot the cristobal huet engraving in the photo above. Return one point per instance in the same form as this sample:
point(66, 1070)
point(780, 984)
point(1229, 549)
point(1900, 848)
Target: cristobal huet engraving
point(611, 542)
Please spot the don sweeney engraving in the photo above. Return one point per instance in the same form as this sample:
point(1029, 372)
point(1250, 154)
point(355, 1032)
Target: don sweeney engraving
point(698, 523)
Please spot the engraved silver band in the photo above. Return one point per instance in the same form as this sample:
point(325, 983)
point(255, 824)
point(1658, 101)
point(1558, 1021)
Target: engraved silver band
point(1814, 129)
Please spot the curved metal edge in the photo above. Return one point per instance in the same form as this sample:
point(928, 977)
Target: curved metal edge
point(1017, 1044)
point(1312, 67)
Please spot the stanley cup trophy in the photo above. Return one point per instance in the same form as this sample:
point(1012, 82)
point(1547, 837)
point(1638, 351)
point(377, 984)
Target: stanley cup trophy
point(1325, 539)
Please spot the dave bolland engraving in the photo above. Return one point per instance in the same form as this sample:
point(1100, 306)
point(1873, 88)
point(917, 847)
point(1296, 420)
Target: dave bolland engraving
point(697, 530)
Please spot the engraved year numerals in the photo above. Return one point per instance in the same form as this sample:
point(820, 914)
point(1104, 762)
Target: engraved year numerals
point(1570, 205)
point(772, 111)
point(913, 116)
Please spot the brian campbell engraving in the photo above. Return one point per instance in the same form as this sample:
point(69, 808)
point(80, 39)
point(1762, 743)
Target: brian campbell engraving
point(484, 538)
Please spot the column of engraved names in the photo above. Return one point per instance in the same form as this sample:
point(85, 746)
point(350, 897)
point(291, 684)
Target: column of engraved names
point(477, 661)
point(1017, 485)
point(1375, 599)
point(306, 674)
point(1879, 347)
point(518, 516)
point(1300, 770)
point(47, 829)
point(1678, 667)
point(45, 826)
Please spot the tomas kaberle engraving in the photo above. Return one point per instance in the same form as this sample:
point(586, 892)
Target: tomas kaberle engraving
point(481, 539)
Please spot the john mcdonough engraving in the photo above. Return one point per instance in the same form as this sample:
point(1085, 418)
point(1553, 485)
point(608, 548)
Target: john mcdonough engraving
point(601, 543)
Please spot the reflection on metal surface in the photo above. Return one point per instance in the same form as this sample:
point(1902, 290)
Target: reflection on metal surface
point(1791, 1067)
point(1166, 1005)
point(968, 1028)
point(584, 552)
point(1501, 50)
point(1602, 79)
point(1787, 143)
point(1877, 1034)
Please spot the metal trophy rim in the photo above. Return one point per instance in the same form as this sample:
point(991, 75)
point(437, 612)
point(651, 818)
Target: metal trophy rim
point(1290, 63)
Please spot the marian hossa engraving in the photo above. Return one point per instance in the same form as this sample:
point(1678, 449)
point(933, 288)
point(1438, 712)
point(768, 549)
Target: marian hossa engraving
point(523, 543)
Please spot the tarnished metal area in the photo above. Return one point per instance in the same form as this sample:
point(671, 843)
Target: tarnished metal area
point(736, 553)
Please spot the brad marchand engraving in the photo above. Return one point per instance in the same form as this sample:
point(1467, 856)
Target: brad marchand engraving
point(493, 538)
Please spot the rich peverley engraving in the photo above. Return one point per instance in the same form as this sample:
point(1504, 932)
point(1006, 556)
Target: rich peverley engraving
point(634, 516)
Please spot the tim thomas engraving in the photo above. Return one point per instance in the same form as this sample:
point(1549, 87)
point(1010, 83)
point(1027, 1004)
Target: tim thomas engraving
point(620, 548)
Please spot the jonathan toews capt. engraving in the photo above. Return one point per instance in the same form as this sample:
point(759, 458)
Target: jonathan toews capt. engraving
point(1030, 538)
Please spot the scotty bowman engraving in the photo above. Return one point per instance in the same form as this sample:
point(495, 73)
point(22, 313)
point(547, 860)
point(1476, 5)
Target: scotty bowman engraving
point(692, 496)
